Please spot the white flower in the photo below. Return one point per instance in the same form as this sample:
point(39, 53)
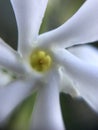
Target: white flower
point(42, 63)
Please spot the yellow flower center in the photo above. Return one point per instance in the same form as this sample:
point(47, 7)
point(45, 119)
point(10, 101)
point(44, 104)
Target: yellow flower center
point(40, 61)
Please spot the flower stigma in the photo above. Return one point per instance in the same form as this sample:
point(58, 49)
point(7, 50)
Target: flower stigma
point(40, 61)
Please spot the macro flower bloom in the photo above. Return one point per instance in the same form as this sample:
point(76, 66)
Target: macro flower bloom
point(43, 63)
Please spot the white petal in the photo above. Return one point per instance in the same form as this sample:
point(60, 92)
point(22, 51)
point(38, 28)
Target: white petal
point(47, 112)
point(13, 94)
point(81, 28)
point(5, 78)
point(29, 15)
point(67, 85)
point(84, 74)
point(86, 53)
point(10, 59)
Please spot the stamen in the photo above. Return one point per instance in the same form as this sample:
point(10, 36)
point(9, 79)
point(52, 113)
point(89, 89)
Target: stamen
point(40, 61)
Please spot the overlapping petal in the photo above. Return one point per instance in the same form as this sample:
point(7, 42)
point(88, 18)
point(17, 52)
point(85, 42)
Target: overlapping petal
point(85, 75)
point(86, 53)
point(47, 113)
point(29, 15)
point(67, 85)
point(13, 94)
point(81, 28)
point(10, 59)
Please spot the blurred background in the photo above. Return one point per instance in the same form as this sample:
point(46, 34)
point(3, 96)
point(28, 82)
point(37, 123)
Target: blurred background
point(76, 113)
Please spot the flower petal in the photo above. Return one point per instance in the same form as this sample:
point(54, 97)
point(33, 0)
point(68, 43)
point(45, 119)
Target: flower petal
point(67, 85)
point(10, 59)
point(5, 78)
point(29, 15)
point(13, 94)
point(81, 28)
point(85, 75)
point(86, 53)
point(47, 112)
